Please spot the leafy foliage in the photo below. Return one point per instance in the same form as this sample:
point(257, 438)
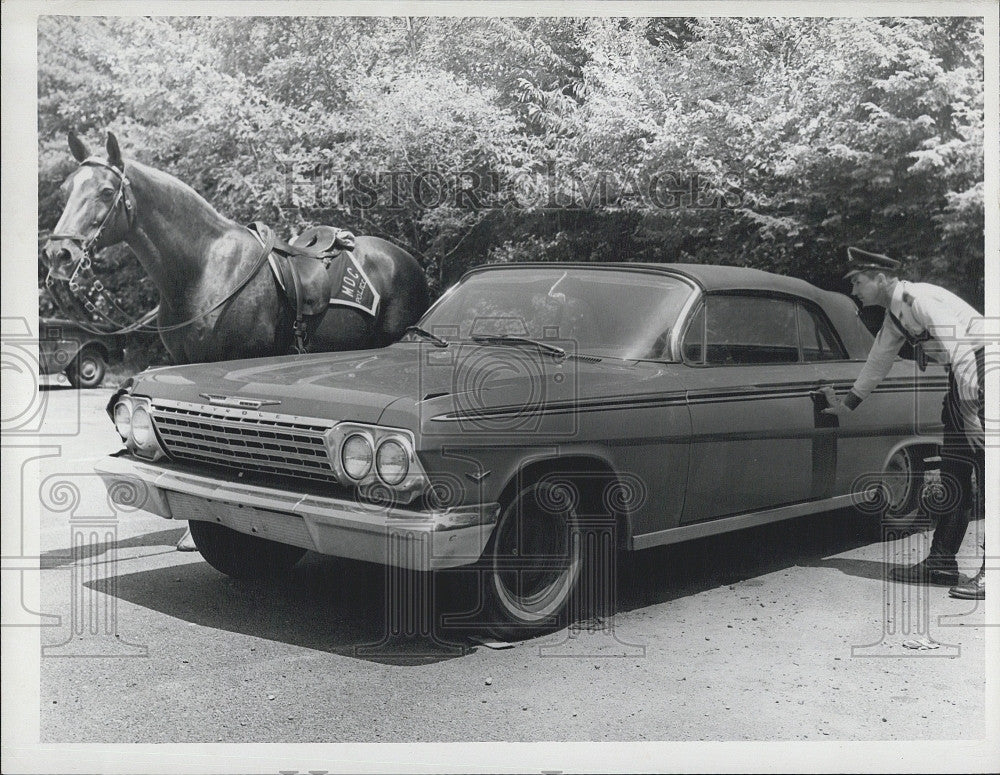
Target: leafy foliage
point(772, 143)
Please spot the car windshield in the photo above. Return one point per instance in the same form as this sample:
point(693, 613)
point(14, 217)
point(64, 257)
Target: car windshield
point(601, 312)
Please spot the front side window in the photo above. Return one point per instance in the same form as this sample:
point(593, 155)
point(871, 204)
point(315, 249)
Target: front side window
point(744, 330)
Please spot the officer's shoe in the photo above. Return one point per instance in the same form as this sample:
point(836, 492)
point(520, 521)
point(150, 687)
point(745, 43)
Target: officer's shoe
point(973, 589)
point(933, 570)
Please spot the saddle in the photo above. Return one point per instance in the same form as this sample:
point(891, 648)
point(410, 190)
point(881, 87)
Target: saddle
point(301, 268)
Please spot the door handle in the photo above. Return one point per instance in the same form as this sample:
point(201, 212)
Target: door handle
point(819, 399)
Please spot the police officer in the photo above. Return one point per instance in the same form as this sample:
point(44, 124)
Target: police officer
point(943, 328)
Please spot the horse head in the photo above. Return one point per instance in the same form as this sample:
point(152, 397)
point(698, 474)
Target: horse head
point(99, 209)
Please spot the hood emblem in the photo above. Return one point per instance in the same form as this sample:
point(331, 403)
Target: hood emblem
point(236, 401)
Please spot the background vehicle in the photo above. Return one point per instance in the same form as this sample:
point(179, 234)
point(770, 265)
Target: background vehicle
point(541, 418)
point(65, 348)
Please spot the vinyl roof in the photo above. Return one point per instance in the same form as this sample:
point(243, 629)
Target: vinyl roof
point(841, 309)
point(710, 277)
point(713, 278)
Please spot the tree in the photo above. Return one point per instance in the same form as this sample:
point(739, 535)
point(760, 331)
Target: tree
point(772, 143)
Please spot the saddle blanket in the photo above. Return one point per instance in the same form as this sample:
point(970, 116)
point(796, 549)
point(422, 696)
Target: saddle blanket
point(351, 285)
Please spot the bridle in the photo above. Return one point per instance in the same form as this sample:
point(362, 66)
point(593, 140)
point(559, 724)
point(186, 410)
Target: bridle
point(122, 195)
point(67, 293)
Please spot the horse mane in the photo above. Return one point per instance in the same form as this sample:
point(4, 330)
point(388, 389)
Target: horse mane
point(175, 198)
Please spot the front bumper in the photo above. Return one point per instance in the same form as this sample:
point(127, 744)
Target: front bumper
point(419, 540)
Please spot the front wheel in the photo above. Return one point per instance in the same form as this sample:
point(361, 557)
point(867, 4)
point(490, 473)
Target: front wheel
point(240, 555)
point(539, 560)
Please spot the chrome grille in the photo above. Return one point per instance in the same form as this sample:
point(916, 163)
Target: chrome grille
point(247, 440)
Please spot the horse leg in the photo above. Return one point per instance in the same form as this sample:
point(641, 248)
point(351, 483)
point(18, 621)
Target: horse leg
point(173, 342)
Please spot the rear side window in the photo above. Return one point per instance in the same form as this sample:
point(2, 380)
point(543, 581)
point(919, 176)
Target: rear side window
point(818, 340)
point(745, 330)
point(741, 330)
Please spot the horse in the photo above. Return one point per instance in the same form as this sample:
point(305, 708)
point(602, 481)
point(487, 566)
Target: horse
point(218, 299)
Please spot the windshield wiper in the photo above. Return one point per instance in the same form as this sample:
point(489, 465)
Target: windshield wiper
point(437, 340)
point(551, 349)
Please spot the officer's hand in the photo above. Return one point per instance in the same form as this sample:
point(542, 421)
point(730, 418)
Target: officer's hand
point(836, 406)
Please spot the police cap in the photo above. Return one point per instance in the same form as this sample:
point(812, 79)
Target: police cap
point(861, 261)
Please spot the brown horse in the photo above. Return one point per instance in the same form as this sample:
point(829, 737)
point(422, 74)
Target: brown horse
point(218, 298)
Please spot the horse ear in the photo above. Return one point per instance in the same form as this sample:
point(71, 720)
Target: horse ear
point(78, 148)
point(114, 152)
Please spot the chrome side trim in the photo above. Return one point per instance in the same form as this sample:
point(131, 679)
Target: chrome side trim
point(712, 527)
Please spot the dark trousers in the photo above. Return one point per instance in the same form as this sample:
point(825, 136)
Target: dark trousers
point(960, 458)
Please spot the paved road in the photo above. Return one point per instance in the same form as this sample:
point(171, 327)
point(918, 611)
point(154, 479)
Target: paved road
point(786, 632)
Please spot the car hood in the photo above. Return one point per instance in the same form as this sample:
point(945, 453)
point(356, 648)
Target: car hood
point(360, 385)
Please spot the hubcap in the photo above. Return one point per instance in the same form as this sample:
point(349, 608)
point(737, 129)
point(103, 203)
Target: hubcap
point(536, 562)
point(898, 480)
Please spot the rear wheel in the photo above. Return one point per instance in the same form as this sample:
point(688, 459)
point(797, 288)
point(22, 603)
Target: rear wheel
point(240, 555)
point(87, 369)
point(902, 481)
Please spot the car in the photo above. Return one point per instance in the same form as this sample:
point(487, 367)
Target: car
point(540, 419)
point(64, 347)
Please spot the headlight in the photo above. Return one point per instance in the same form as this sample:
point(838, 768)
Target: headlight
point(134, 423)
point(380, 461)
point(123, 418)
point(392, 462)
point(142, 427)
point(356, 456)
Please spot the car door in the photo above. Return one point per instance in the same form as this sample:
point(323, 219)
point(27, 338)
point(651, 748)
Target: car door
point(905, 409)
point(752, 414)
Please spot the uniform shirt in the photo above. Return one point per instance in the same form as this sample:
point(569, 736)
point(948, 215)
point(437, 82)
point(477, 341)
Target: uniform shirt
point(956, 332)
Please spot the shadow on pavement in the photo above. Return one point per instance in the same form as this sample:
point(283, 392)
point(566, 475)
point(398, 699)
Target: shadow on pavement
point(874, 570)
point(342, 606)
point(57, 558)
point(323, 603)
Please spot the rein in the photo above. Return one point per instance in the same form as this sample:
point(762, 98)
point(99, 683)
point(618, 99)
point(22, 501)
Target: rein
point(65, 291)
